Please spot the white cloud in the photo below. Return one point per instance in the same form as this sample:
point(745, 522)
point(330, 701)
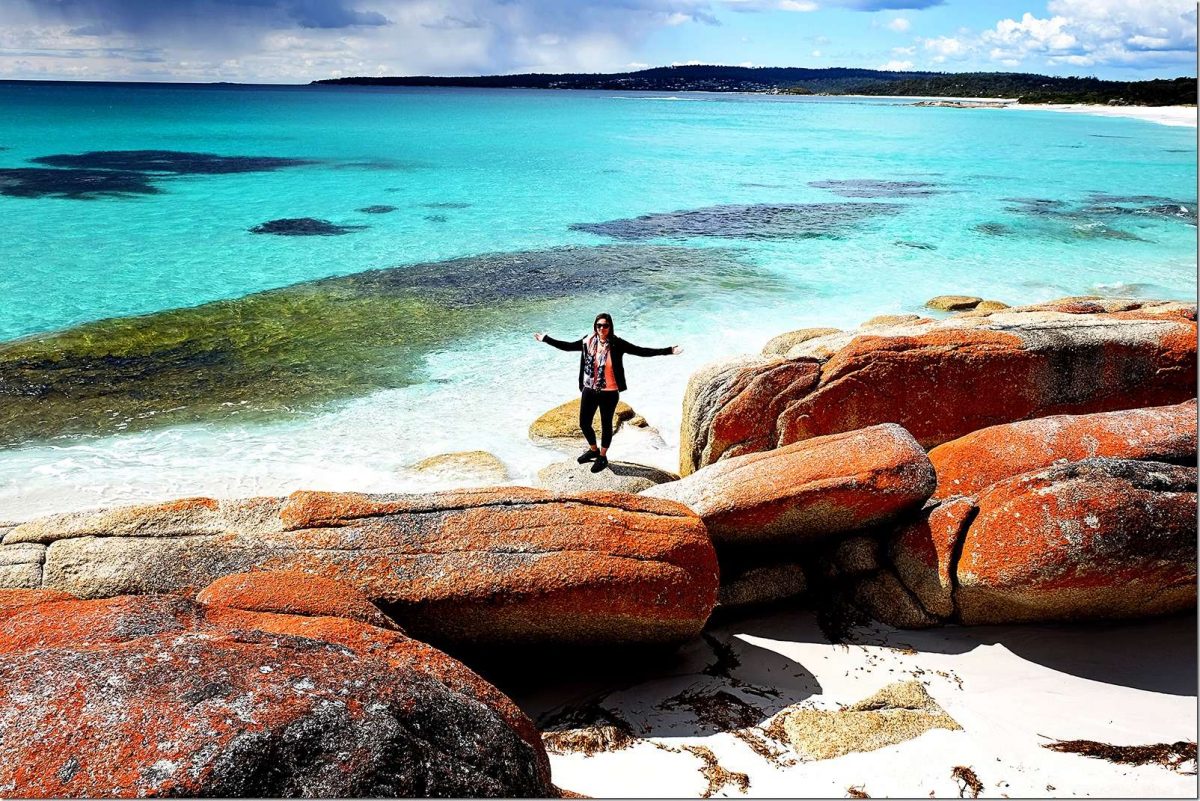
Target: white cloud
point(1089, 32)
point(896, 66)
point(944, 47)
point(816, 54)
point(903, 51)
point(1032, 33)
point(899, 24)
point(239, 40)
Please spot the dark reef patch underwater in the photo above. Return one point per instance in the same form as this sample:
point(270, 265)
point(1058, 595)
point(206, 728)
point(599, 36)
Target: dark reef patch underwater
point(281, 352)
point(174, 162)
point(124, 173)
point(38, 182)
point(304, 226)
point(1096, 217)
point(755, 221)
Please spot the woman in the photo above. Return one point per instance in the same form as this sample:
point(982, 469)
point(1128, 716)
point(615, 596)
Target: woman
point(601, 380)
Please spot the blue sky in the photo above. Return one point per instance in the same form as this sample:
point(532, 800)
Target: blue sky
point(295, 41)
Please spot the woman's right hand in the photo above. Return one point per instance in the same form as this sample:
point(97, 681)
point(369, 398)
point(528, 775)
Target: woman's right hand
point(539, 337)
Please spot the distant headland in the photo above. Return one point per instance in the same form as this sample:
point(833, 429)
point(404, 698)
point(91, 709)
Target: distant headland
point(1024, 87)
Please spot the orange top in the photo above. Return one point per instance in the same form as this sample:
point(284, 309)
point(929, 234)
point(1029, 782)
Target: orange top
point(610, 379)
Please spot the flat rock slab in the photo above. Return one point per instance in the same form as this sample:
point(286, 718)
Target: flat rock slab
point(498, 565)
point(969, 464)
point(617, 477)
point(900, 711)
point(941, 380)
point(163, 696)
point(808, 490)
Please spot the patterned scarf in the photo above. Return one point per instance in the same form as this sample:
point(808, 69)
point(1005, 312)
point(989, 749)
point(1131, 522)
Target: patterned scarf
point(595, 357)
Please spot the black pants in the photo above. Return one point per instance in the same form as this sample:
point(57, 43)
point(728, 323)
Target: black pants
point(606, 401)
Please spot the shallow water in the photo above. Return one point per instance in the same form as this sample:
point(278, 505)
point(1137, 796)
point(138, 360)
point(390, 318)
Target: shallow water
point(793, 211)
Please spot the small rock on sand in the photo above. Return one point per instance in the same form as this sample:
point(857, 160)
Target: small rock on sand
point(898, 712)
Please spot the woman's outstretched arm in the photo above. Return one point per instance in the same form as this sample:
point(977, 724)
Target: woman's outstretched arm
point(638, 350)
point(558, 343)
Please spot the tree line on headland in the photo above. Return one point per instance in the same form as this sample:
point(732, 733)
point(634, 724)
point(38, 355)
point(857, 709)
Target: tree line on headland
point(1026, 87)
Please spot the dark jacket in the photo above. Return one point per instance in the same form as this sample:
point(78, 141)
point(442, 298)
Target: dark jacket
point(617, 350)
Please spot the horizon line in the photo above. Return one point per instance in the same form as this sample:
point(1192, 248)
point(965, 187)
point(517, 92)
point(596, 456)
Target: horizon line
point(313, 81)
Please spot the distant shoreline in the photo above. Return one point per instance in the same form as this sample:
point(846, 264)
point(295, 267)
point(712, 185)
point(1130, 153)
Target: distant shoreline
point(836, 81)
point(1171, 115)
point(1178, 116)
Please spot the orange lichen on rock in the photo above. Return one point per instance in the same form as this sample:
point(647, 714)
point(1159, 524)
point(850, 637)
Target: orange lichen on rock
point(947, 383)
point(1099, 538)
point(943, 380)
point(809, 490)
point(492, 565)
point(293, 593)
point(308, 509)
point(13, 600)
point(162, 696)
point(969, 464)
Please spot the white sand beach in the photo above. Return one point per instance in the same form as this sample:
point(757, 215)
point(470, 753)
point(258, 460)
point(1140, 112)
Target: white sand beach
point(1163, 115)
point(1012, 689)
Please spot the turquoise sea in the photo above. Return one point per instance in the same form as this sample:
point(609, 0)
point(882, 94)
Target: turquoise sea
point(461, 221)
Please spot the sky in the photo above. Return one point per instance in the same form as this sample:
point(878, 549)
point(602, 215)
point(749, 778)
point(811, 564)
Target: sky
point(296, 41)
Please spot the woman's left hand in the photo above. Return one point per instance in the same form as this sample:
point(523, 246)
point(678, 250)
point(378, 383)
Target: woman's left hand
point(676, 349)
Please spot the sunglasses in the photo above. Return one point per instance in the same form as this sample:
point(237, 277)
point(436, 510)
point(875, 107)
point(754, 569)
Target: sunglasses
point(603, 325)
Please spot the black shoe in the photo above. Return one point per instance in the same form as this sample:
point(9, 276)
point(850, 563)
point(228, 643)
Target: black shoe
point(601, 463)
point(587, 456)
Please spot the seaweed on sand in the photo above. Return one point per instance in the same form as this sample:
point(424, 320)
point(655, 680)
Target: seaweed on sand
point(588, 729)
point(1170, 755)
point(715, 773)
point(968, 781)
point(719, 710)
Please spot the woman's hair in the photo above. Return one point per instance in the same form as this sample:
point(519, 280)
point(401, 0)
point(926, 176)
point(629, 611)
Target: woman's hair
point(604, 316)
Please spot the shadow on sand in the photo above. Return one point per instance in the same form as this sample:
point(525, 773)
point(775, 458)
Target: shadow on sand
point(725, 682)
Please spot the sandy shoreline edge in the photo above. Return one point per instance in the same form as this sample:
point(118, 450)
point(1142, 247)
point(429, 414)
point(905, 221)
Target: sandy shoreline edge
point(1163, 115)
